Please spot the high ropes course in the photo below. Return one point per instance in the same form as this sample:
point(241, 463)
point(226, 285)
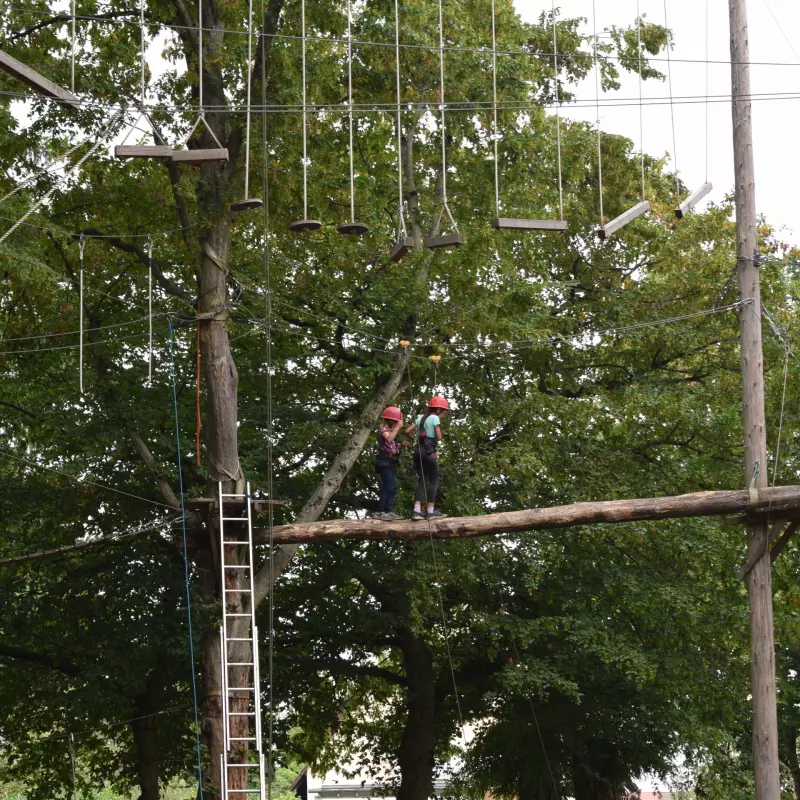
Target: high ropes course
point(224, 521)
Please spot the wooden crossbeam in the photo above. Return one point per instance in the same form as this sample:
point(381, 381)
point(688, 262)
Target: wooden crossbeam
point(36, 81)
point(513, 224)
point(692, 200)
point(623, 219)
point(697, 504)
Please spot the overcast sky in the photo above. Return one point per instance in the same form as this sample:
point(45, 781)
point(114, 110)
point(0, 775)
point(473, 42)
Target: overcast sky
point(776, 122)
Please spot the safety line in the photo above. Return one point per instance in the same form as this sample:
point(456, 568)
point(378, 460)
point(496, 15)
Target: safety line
point(84, 481)
point(672, 111)
point(185, 560)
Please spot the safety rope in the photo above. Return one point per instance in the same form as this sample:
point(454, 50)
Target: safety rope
point(641, 107)
point(198, 411)
point(249, 72)
point(270, 415)
point(72, 764)
point(149, 311)
point(81, 245)
point(706, 104)
point(597, 103)
point(141, 54)
point(445, 206)
point(401, 217)
point(72, 53)
point(185, 558)
point(558, 115)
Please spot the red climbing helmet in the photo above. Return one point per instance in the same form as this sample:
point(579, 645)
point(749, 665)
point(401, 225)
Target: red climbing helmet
point(392, 412)
point(437, 401)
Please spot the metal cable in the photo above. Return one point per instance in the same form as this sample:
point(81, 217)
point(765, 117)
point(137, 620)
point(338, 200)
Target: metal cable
point(706, 91)
point(72, 55)
point(494, 115)
point(558, 116)
point(672, 110)
point(141, 52)
point(641, 107)
point(72, 763)
point(786, 352)
point(81, 244)
point(442, 107)
point(597, 102)
point(401, 217)
point(350, 106)
point(305, 112)
point(186, 560)
point(150, 310)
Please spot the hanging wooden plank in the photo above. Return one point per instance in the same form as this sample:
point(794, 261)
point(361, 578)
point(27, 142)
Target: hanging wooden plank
point(623, 219)
point(36, 81)
point(509, 223)
point(202, 156)
point(143, 151)
point(692, 200)
point(697, 504)
point(448, 240)
point(402, 246)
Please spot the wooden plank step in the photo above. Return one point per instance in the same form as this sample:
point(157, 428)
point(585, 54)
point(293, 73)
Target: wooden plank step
point(36, 81)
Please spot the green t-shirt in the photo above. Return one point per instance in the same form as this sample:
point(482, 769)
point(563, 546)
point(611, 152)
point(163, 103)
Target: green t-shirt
point(430, 425)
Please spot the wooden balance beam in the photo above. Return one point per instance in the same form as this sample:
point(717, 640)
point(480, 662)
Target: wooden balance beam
point(780, 502)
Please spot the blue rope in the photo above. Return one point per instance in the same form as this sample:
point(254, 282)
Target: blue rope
point(185, 560)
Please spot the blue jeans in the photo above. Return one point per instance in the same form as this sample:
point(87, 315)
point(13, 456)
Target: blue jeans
point(388, 480)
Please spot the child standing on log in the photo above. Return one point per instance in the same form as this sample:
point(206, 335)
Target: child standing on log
point(429, 434)
point(387, 461)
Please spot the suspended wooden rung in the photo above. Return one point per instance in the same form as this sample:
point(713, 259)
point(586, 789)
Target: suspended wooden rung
point(143, 151)
point(200, 156)
point(511, 224)
point(353, 228)
point(692, 200)
point(305, 225)
point(36, 81)
point(402, 246)
point(623, 219)
point(448, 240)
point(247, 203)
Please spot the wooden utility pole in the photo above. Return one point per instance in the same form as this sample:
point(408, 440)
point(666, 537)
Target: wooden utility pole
point(759, 581)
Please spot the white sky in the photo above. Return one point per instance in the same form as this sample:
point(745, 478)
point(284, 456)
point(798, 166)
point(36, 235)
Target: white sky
point(775, 121)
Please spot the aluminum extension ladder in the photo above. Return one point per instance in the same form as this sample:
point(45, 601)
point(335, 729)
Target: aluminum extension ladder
point(243, 624)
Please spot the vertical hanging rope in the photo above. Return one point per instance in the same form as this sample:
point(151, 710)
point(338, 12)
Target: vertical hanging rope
point(350, 106)
point(494, 114)
point(305, 112)
point(198, 415)
point(141, 55)
point(72, 764)
point(249, 71)
point(149, 310)
point(185, 559)
point(270, 432)
point(707, 62)
point(81, 244)
point(641, 107)
point(72, 55)
point(672, 111)
point(441, 111)
point(597, 103)
point(558, 115)
point(401, 217)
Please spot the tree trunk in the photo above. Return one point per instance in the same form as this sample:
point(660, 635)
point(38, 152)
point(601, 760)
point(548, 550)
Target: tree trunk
point(145, 740)
point(416, 754)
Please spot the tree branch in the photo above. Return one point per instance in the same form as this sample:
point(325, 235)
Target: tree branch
point(42, 659)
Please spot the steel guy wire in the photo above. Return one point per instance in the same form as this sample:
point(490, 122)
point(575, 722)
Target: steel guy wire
point(783, 32)
point(73, 333)
point(408, 46)
point(141, 51)
point(783, 406)
point(558, 114)
point(641, 107)
point(671, 110)
point(100, 236)
point(305, 111)
point(78, 479)
point(494, 114)
point(72, 54)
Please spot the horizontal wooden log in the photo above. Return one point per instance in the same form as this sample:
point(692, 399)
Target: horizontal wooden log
point(510, 223)
point(697, 504)
point(36, 81)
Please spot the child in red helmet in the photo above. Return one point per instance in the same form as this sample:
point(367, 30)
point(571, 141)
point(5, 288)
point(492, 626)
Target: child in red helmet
point(429, 434)
point(386, 461)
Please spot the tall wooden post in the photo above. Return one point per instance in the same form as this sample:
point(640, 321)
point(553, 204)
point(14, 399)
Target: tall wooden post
point(762, 646)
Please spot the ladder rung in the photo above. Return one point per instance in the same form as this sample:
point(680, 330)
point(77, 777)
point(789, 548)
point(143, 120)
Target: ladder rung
point(237, 614)
point(236, 566)
point(242, 766)
point(243, 791)
point(232, 542)
point(240, 639)
point(240, 663)
point(240, 496)
point(241, 688)
point(234, 519)
point(245, 591)
point(241, 713)
point(241, 738)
